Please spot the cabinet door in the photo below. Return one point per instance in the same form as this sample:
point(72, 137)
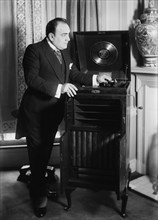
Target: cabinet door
point(147, 121)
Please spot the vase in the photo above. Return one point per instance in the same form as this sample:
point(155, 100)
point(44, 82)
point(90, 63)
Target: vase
point(146, 35)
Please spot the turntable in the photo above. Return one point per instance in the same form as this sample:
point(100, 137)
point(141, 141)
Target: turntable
point(95, 146)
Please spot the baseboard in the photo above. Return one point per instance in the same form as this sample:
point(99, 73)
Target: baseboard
point(13, 157)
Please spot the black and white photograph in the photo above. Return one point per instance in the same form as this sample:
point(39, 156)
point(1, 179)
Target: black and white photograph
point(78, 109)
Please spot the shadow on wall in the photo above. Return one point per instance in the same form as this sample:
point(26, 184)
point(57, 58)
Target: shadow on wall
point(152, 159)
point(8, 77)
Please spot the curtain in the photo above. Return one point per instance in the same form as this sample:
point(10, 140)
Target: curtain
point(23, 22)
point(8, 65)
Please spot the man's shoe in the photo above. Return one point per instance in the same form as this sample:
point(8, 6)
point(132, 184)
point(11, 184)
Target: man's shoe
point(40, 212)
point(40, 206)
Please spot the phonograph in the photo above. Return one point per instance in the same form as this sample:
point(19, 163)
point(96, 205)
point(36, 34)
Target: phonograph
point(95, 146)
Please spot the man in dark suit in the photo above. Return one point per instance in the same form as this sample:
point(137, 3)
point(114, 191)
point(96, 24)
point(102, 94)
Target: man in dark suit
point(49, 73)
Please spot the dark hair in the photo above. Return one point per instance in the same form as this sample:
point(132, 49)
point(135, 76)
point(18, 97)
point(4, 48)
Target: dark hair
point(51, 26)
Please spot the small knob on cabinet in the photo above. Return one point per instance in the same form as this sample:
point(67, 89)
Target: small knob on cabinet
point(140, 107)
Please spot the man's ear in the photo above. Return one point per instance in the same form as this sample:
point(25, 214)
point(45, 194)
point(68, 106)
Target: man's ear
point(51, 36)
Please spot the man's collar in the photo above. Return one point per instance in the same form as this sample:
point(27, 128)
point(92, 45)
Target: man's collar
point(51, 45)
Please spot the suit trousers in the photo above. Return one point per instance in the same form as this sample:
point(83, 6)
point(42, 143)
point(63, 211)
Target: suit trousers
point(39, 144)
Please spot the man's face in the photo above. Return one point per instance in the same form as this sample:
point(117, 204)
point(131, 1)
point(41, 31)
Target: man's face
point(61, 38)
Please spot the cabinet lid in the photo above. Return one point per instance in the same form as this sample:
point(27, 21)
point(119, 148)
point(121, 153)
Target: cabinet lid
point(103, 51)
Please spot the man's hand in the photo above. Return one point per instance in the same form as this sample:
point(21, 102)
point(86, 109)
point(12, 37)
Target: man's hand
point(69, 88)
point(104, 77)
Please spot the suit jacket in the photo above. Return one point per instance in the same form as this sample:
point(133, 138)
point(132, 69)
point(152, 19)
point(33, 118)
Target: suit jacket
point(42, 72)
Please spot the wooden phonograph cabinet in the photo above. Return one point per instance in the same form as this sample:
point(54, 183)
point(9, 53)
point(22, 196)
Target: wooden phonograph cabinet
point(95, 146)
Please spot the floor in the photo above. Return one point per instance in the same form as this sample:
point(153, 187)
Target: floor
point(145, 186)
point(15, 203)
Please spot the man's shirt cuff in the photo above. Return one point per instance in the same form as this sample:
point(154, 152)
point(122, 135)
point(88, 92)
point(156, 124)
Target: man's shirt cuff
point(94, 81)
point(58, 91)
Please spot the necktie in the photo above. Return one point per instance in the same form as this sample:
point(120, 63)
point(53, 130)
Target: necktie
point(59, 56)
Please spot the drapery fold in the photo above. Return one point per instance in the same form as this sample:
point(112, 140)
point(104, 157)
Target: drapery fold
point(23, 22)
point(8, 64)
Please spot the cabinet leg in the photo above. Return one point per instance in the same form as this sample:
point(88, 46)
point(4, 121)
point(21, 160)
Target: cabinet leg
point(68, 197)
point(124, 198)
point(129, 178)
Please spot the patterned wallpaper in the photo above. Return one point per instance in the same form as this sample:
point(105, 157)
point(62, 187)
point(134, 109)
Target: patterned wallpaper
point(21, 45)
point(29, 25)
